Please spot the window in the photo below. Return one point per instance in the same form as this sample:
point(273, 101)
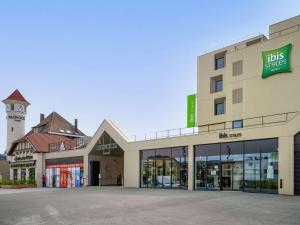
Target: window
point(219, 85)
point(237, 68)
point(165, 168)
point(32, 174)
point(247, 166)
point(15, 174)
point(23, 174)
point(12, 107)
point(237, 124)
point(220, 106)
point(220, 60)
point(237, 95)
point(216, 84)
point(12, 129)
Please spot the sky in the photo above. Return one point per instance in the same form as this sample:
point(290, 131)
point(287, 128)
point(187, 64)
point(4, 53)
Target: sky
point(133, 62)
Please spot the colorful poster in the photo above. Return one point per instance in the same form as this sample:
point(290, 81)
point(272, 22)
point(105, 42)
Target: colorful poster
point(48, 177)
point(191, 110)
point(57, 175)
point(69, 177)
point(276, 61)
point(77, 180)
point(73, 176)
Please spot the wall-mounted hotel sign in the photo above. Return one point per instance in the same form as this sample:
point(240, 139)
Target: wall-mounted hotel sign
point(229, 135)
point(276, 61)
point(191, 110)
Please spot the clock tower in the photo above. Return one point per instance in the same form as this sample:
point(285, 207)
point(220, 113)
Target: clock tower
point(16, 107)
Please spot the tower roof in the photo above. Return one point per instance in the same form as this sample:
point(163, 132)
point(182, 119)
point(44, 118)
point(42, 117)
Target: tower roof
point(16, 96)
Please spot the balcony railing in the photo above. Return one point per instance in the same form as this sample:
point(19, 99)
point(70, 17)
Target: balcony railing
point(227, 125)
point(71, 144)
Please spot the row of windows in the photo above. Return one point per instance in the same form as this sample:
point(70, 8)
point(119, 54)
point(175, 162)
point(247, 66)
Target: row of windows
point(23, 145)
point(246, 166)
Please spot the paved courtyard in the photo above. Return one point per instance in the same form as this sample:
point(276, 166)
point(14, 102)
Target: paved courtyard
point(129, 206)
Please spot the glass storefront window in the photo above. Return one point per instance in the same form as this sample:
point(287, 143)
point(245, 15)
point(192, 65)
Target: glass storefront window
point(148, 168)
point(15, 174)
point(31, 174)
point(247, 166)
point(200, 172)
point(252, 172)
point(23, 174)
point(269, 172)
point(164, 168)
point(213, 173)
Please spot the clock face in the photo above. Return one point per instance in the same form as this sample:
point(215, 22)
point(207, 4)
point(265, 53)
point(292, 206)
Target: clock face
point(20, 108)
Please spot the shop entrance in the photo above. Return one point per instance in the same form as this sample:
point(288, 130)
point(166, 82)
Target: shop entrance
point(107, 159)
point(95, 170)
point(232, 175)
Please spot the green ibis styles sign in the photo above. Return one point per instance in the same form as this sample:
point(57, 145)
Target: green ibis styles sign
point(191, 110)
point(276, 61)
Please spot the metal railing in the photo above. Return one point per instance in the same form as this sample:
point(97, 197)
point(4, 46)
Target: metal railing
point(227, 125)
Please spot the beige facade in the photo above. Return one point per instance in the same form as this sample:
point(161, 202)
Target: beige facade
point(268, 108)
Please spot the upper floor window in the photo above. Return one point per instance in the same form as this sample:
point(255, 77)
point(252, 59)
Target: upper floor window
point(12, 107)
point(220, 106)
point(220, 60)
point(219, 85)
point(237, 124)
point(216, 84)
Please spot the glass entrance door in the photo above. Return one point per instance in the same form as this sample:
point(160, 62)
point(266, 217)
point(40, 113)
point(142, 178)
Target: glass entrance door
point(227, 176)
point(232, 176)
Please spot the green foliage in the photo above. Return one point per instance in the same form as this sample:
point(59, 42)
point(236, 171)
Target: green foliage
point(16, 182)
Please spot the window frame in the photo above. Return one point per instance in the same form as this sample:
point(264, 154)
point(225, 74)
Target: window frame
point(219, 101)
point(235, 121)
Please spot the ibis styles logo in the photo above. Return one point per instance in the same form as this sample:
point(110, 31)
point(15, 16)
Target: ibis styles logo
point(276, 61)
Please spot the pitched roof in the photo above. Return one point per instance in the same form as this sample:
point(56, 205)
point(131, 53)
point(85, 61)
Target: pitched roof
point(56, 124)
point(41, 141)
point(16, 96)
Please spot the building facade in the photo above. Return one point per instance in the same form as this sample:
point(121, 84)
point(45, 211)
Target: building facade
point(246, 137)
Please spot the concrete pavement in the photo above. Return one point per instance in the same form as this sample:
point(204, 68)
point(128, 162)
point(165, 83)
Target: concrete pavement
point(130, 206)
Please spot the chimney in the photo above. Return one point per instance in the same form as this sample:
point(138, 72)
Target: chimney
point(42, 117)
point(76, 125)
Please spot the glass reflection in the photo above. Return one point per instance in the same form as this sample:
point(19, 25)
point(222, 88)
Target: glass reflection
point(247, 166)
point(252, 172)
point(269, 172)
point(164, 168)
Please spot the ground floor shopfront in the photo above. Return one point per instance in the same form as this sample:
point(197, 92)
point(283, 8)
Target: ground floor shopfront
point(242, 166)
point(263, 159)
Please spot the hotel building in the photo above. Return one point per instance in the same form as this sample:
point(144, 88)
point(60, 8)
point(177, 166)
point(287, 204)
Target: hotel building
point(246, 136)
